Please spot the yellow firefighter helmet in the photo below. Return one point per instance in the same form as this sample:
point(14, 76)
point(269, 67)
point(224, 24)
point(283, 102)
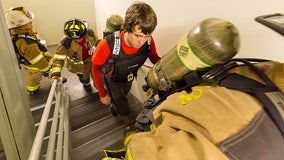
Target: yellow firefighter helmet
point(18, 16)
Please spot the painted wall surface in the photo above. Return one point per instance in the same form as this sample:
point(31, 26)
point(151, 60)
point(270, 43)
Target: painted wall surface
point(175, 19)
point(50, 15)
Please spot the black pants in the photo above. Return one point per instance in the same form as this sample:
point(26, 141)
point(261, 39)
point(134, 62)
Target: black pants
point(118, 93)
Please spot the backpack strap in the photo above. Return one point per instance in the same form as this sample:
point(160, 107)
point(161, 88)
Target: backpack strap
point(116, 45)
point(29, 39)
point(268, 94)
point(26, 36)
point(21, 59)
point(114, 42)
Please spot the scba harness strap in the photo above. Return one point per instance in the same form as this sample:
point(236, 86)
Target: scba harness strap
point(268, 94)
point(108, 66)
point(21, 59)
point(114, 42)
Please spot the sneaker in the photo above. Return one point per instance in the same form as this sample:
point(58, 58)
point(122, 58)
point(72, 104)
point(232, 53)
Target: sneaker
point(87, 87)
point(113, 110)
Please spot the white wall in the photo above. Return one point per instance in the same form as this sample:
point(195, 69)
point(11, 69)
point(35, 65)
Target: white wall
point(175, 18)
point(50, 15)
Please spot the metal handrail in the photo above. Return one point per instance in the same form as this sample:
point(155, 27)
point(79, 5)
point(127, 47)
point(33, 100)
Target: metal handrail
point(60, 127)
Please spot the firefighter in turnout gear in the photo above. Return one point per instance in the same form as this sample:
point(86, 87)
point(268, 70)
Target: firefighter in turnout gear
point(76, 48)
point(30, 49)
point(227, 111)
point(119, 56)
point(113, 23)
point(208, 121)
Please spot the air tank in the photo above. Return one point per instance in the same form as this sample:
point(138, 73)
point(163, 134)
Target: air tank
point(212, 41)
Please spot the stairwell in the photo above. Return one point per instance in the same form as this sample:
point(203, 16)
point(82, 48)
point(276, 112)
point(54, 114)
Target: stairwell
point(93, 128)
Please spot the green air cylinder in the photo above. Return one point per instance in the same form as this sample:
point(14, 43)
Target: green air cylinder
point(212, 41)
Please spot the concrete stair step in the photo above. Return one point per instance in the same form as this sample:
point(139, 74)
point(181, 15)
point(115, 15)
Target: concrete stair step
point(105, 132)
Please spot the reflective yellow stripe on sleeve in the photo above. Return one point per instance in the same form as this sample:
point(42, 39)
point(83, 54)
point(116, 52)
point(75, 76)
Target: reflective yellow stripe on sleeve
point(59, 57)
point(55, 69)
point(46, 68)
point(75, 62)
point(37, 58)
point(37, 69)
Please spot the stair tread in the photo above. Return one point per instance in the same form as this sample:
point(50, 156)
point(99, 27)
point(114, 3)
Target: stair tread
point(102, 130)
point(93, 149)
point(99, 128)
point(86, 110)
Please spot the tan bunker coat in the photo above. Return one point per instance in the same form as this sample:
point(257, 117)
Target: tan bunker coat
point(212, 123)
